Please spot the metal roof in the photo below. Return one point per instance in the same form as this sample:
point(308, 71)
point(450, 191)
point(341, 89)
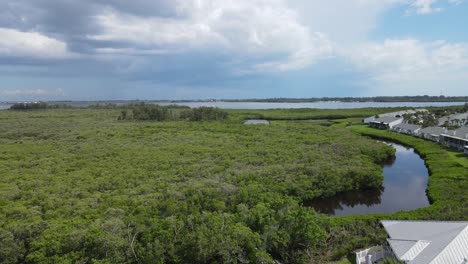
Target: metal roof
point(387, 119)
point(459, 116)
point(433, 130)
point(394, 114)
point(400, 247)
point(408, 126)
point(461, 133)
point(456, 137)
point(431, 241)
point(256, 122)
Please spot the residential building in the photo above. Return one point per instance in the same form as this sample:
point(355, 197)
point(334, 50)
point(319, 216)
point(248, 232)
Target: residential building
point(432, 133)
point(456, 138)
point(421, 242)
point(466, 150)
point(408, 129)
point(458, 119)
point(386, 122)
point(392, 114)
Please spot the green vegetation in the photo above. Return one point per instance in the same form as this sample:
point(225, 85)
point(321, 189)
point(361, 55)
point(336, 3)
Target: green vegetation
point(448, 180)
point(309, 114)
point(154, 112)
point(448, 183)
point(78, 185)
point(37, 106)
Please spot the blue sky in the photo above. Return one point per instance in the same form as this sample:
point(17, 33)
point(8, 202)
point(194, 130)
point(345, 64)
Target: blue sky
point(197, 49)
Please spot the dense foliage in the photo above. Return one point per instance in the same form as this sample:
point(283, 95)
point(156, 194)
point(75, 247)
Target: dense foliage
point(36, 106)
point(154, 112)
point(309, 114)
point(80, 186)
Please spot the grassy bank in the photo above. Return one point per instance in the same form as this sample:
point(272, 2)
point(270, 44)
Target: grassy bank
point(308, 114)
point(448, 170)
point(447, 191)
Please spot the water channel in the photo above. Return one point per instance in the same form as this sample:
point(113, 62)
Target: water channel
point(404, 188)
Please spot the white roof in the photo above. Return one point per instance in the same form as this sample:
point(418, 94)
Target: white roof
point(458, 116)
point(393, 114)
point(386, 119)
point(422, 242)
point(436, 131)
point(256, 122)
point(408, 126)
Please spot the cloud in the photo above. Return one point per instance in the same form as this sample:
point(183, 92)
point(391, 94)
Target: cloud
point(412, 63)
point(14, 43)
point(32, 92)
point(258, 28)
point(397, 57)
point(425, 6)
point(221, 44)
point(428, 6)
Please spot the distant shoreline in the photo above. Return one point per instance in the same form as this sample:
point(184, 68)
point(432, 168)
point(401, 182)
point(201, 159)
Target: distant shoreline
point(376, 99)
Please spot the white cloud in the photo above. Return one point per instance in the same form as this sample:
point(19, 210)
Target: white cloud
point(32, 92)
point(257, 28)
point(425, 6)
point(455, 2)
point(412, 64)
point(397, 57)
point(428, 6)
point(14, 43)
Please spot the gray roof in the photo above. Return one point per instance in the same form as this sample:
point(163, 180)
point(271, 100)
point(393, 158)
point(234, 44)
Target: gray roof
point(256, 122)
point(386, 119)
point(433, 130)
point(394, 114)
point(400, 247)
point(460, 133)
point(408, 126)
point(458, 116)
point(421, 242)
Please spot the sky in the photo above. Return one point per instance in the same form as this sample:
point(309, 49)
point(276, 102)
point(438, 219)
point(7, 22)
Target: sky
point(227, 49)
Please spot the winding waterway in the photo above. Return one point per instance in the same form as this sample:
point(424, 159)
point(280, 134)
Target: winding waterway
point(404, 188)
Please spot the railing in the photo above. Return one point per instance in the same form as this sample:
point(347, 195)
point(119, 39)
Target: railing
point(373, 254)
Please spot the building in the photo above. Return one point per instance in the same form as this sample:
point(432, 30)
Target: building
point(457, 139)
point(432, 133)
point(431, 242)
point(256, 122)
point(466, 150)
point(408, 129)
point(459, 119)
point(385, 122)
point(392, 114)
point(422, 242)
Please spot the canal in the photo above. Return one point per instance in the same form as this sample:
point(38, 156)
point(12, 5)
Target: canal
point(404, 188)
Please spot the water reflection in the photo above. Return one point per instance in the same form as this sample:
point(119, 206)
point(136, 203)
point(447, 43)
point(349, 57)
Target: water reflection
point(341, 201)
point(404, 188)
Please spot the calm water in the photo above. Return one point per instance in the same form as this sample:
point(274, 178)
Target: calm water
point(404, 188)
point(255, 105)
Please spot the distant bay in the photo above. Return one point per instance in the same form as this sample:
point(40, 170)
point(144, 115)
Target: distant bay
point(264, 105)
